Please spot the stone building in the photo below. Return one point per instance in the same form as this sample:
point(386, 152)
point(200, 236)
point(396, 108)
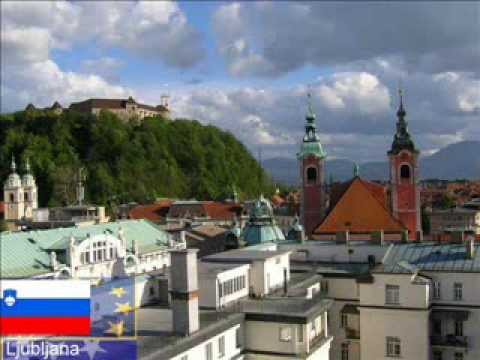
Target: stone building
point(124, 108)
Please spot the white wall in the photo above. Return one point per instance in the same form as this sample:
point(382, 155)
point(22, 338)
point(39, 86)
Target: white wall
point(411, 327)
point(209, 282)
point(231, 349)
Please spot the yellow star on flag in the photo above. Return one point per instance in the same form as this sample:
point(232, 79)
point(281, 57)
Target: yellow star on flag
point(116, 328)
point(123, 308)
point(118, 292)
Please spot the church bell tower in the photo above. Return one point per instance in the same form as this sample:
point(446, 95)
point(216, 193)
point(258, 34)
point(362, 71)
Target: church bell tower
point(312, 172)
point(404, 177)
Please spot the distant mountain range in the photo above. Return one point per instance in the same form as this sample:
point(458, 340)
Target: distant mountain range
point(456, 161)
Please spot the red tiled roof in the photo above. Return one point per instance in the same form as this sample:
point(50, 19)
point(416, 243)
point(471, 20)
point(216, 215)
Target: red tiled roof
point(222, 211)
point(153, 212)
point(360, 209)
point(214, 210)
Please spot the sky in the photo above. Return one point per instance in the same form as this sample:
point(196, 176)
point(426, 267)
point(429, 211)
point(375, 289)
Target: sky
point(247, 67)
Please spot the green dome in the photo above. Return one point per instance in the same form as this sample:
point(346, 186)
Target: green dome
point(311, 148)
point(261, 227)
point(255, 234)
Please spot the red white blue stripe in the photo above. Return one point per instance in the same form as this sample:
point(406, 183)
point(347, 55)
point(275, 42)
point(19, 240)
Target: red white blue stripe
point(45, 307)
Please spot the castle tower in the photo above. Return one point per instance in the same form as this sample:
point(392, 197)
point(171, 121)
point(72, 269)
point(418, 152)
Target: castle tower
point(312, 169)
point(13, 195)
point(30, 197)
point(404, 177)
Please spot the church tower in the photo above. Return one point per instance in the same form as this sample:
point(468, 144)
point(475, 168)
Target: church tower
point(404, 177)
point(13, 195)
point(312, 169)
point(29, 192)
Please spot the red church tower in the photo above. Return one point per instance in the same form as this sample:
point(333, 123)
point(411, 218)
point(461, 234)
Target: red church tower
point(404, 177)
point(312, 168)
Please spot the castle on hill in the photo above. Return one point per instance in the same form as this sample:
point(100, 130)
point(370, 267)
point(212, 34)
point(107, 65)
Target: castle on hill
point(123, 108)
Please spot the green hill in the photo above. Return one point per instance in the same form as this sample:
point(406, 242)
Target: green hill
point(127, 161)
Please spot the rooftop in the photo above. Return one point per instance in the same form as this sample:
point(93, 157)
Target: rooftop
point(216, 268)
point(360, 209)
point(406, 258)
point(25, 254)
point(157, 341)
point(276, 308)
point(243, 256)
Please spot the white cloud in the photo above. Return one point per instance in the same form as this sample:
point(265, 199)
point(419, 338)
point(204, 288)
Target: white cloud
point(32, 29)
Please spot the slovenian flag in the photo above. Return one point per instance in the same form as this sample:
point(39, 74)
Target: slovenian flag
point(45, 307)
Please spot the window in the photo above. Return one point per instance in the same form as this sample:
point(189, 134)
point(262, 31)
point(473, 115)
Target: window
point(209, 351)
point(393, 347)
point(405, 171)
point(436, 290)
point(220, 290)
point(12, 198)
point(311, 175)
point(221, 346)
point(457, 291)
point(285, 333)
point(458, 356)
point(151, 291)
point(25, 196)
point(392, 294)
point(344, 320)
point(300, 333)
point(437, 355)
point(345, 351)
point(458, 328)
point(324, 286)
point(437, 327)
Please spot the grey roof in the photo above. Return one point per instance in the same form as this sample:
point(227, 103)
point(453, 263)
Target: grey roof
point(216, 268)
point(243, 256)
point(405, 258)
point(157, 341)
point(282, 308)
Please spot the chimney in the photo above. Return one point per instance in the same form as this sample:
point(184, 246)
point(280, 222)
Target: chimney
point(184, 291)
point(470, 247)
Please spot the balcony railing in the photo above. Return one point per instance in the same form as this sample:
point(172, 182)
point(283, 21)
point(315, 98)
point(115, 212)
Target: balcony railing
point(449, 341)
point(352, 334)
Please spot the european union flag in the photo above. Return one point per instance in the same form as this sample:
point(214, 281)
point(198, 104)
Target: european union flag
point(113, 308)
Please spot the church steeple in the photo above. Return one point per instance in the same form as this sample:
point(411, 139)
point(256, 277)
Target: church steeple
point(312, 169)
point(402, 139)
point(311, 142)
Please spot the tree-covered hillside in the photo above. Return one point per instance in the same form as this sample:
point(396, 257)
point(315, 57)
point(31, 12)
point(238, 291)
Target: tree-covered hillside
point(134, 161)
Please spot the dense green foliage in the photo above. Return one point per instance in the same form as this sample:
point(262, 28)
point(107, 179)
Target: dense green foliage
point(127, 161)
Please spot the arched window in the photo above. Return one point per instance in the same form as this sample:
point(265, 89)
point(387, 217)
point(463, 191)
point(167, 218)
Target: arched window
point(311, 175)
point(405, 171)
point(12, 198)
point(25, 196)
